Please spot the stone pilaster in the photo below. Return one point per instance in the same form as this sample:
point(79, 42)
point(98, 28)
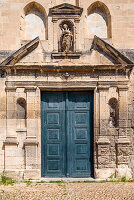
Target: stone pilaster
point(103, 94)
point(123, 110)
point(123, 144)
point(77, 34)
point(55, 31)
point(11, 113)
point(103, 169)
point(103, 152)
point(31, 143)
point(31, 112)
point(124, 154)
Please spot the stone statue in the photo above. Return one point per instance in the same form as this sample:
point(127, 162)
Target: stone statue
point(66, 39)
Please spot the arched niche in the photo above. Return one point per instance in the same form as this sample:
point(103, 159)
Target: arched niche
point(35, 22)
point(21, 108)
point(99, 20)
point(113, 112)
point(70, 26)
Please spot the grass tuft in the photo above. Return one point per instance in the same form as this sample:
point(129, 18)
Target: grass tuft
point(60, 181)
point(28, 182)
point(6, 180)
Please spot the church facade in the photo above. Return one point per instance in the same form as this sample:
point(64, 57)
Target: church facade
point(67, 89)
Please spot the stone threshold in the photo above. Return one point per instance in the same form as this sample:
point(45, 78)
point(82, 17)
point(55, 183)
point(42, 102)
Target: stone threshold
point(68, 180)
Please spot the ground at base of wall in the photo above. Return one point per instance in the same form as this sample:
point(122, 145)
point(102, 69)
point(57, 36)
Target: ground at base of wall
point(69, 191)
point(100, 174)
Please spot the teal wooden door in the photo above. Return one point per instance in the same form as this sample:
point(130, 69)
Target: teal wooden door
point(67, 134)
point(53, 134)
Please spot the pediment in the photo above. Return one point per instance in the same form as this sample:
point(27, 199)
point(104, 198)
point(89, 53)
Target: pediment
point(111, 53)
point(101, 56)
point(66, 9)
point(21, 53)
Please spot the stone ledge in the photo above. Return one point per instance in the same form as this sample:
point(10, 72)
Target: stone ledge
point(10, 89)
point(103, 140)
point(21, 130)
point(11, 142)
point(123, 140)
point(30, 88)
point(30, 142)
point(60, 55)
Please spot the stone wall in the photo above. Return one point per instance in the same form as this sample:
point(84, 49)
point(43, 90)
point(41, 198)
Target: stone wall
point(113, 143)
point(12, 15)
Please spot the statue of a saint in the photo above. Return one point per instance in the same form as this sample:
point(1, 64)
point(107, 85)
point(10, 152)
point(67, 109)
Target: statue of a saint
point(66, 39)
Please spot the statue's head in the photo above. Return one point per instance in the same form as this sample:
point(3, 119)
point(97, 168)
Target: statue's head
point(65, 26)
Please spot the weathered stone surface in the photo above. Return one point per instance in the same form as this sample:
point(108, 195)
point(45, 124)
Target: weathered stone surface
point(123, 171)
point(104, 173)
point(32, 174)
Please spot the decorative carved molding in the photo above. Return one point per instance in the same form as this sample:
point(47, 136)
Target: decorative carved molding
point(65, 75)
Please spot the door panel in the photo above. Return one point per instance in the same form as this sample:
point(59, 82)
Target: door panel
point(79, 133)
point(67, 119)
point(53, 134)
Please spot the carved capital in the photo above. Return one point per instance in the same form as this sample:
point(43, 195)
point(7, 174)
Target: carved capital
point(54, 19)
point(77, 20)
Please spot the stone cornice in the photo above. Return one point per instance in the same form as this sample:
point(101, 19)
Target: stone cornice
point(79, 67)
point(46, 85)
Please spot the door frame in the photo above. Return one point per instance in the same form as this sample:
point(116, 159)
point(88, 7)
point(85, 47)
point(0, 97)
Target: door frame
point(95, 119)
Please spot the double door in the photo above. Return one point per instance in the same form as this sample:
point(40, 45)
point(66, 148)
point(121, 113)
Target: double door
point(67, 134)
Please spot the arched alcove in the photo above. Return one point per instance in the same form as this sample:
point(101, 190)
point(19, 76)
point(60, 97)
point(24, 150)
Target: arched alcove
point(35, 22)
point(113, 112)
point(21, 108)
point(99, 20)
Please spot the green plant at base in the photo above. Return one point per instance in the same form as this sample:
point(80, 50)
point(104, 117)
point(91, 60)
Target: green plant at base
point(60, 181)
point(6, 180)
point(28, 182)
point(123, 179)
